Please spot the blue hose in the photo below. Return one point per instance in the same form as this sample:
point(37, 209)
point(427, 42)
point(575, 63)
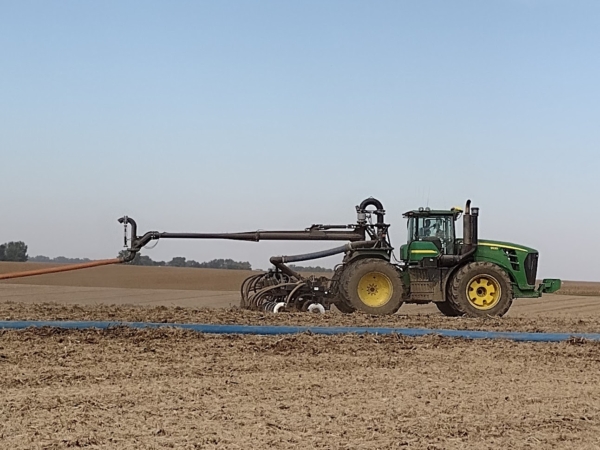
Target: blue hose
point(277, 330)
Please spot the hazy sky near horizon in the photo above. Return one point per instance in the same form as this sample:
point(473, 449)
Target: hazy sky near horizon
point(235, 116)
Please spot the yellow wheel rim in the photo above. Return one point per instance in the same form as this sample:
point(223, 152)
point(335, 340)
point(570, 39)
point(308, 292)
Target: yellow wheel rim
point(484, 292)
point(375, 289)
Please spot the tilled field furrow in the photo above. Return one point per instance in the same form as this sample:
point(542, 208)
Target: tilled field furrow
point(160, 314)
point(169, 388)
point(126, 388)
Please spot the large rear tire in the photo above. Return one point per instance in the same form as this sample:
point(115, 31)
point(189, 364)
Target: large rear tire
point(340, 301)
point(373, 286)
point(343, 307)
point(480, 289)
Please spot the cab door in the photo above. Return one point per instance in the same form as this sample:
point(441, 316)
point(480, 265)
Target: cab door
point(429, 237)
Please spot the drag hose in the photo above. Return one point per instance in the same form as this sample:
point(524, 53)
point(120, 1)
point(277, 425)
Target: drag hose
point(30, 273)
point(283, 330)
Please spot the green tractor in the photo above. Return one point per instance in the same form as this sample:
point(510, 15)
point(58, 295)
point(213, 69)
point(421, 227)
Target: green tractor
point(462, 276)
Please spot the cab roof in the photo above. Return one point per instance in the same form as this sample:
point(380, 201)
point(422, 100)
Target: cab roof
point(426, 212)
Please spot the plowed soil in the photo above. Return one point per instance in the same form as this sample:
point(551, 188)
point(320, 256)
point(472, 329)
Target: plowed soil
point(168, 388)
point(163, 314)
point(172, 389)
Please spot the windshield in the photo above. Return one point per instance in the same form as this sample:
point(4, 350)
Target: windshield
point(431, 229)
point(440, 227)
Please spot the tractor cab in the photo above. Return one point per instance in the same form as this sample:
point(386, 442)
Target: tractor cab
point(431, 233)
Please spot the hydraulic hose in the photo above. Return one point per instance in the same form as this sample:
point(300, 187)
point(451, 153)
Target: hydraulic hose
point(283, 330)
point(280, 261)
point(321, 254)
point(30, 273)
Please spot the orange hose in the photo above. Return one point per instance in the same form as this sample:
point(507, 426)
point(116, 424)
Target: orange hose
point(30, 273)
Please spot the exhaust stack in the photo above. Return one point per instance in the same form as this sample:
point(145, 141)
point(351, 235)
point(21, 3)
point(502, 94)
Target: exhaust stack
point(467, 228)
point(474, 226)
point(470, 228)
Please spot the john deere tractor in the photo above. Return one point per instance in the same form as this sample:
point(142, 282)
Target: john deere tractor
point(462, 276)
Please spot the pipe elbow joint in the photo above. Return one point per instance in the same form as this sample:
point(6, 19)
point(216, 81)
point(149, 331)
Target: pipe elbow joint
point(129, 257)
point(371, 201)
point(275, 260)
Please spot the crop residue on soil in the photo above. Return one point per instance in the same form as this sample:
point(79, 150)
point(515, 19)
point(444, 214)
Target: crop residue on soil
point(164, 388)
point(169, 388)
point(163, 314)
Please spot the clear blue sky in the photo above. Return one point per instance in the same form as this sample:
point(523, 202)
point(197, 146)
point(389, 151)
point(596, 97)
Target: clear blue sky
point(238, 115)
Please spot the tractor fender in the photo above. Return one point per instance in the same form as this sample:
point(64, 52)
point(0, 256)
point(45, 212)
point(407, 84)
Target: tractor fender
point(354, 256)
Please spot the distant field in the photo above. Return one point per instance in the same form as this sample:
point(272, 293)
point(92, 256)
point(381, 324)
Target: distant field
point(580, 288)
point(140, 277)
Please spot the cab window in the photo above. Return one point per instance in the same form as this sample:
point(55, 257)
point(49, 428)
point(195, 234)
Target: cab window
point(433, 229)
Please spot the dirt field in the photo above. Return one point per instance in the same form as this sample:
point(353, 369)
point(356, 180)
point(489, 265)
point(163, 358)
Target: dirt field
point(151, 389)
point(172, 389)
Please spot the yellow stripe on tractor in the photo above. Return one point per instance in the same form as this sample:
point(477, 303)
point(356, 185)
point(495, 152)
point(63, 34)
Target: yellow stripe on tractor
point(497, 246)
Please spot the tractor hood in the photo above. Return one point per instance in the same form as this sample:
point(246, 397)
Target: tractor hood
point(495, 245)
point(520, 262)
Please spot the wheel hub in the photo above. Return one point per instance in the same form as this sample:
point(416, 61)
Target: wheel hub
point(483, 292)
point(372, 289)
point(375, 289)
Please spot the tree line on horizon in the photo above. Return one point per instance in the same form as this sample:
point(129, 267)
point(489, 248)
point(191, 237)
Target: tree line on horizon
point(16, 251)
point(13, 251)
point(309, 268)
point(58, 260)
point(180, 261)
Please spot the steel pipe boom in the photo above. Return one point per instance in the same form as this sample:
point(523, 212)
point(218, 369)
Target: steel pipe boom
point(352, 233)
point(137, 243)
point(255, 236)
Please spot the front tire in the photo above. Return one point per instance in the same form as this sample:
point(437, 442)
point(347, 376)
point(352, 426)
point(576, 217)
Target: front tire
point(480, 289)
point(373, 286)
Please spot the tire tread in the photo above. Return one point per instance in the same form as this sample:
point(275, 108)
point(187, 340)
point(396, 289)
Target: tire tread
point(454, 291)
